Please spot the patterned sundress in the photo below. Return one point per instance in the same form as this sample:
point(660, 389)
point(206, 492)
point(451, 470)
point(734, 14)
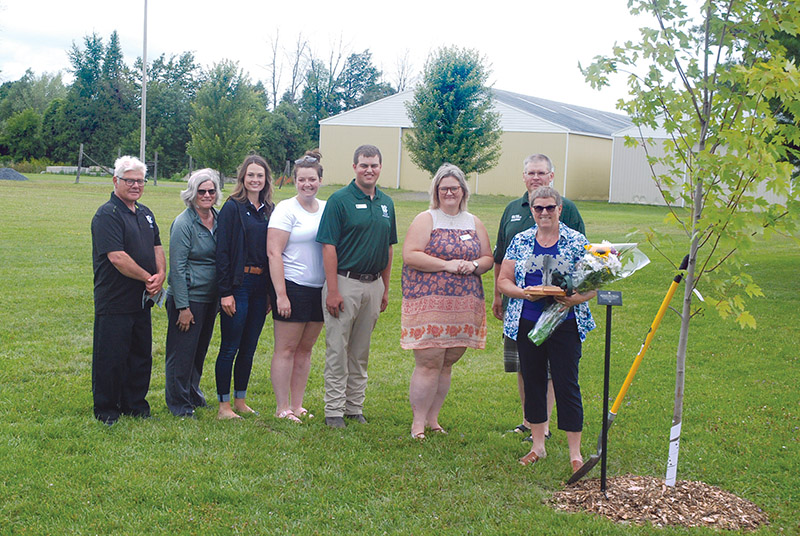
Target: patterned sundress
point(440, 309)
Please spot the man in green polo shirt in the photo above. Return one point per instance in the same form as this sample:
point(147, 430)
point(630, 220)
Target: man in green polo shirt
point(357, 232)
point(537, 170)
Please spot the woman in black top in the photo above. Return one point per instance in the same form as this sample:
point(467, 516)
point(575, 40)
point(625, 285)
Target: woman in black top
point(243, 279)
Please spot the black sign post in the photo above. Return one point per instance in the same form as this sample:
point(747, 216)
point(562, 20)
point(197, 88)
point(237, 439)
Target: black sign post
point(609, 298)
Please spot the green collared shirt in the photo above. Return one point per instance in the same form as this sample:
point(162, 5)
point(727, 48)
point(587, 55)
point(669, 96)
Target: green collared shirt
point(362, 229)
point(517, 217)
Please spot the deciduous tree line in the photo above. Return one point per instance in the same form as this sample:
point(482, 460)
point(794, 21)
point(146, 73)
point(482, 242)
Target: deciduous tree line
point(215, 114)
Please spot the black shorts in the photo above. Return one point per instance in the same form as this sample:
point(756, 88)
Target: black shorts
point(306, 303)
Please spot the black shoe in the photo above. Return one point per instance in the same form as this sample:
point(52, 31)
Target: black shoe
point(358, 417)
point(335, 422)
point(521, 429)
point(529, 439)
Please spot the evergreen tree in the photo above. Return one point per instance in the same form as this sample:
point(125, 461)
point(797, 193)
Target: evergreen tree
point(359, 83)
point(452, 114)
point(99, 109)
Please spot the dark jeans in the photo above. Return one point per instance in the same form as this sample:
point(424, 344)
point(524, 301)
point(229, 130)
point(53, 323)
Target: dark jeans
point(122, 358)
point(563, 351)
point(186, 353)
point(240, 336)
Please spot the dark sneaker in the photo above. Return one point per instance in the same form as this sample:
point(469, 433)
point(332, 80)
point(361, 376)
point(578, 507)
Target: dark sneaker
point(529, 439)
point(334, 422)
point(358, 417)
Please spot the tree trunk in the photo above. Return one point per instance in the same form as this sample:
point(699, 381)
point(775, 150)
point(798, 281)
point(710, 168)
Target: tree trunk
point(680, 368)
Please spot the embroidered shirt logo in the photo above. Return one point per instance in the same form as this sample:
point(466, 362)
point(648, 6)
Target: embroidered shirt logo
point(149, 219)
point(516, 217)
point(385, 210)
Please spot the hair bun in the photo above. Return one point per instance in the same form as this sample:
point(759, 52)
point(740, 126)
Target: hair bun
point(314, 153)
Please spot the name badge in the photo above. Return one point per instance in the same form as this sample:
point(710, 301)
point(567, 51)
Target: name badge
point(466, 237)
point(361, 205)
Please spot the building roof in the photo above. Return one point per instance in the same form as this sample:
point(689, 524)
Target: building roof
point(574, 119)
point(518, 113)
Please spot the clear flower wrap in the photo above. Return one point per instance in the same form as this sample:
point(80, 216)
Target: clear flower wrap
point(601, 264)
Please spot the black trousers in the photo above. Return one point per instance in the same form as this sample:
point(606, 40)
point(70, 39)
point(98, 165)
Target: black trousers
point(122, 359)
point(186, 353)
point(563, 351)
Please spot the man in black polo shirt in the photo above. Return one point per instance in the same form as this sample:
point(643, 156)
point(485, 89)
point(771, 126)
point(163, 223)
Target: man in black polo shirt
point(129, 270)
point(357, 232)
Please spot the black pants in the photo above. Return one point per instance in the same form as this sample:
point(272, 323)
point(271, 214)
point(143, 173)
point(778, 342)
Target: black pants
point(122, 359)
point(186, 353)
point(563, 351)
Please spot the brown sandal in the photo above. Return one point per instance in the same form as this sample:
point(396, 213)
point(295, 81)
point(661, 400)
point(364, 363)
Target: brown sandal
point(529, 459)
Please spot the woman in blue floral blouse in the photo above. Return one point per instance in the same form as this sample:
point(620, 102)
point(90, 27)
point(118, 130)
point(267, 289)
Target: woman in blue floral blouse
point(530, 260)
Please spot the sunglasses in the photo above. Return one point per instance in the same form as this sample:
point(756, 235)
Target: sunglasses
point(538, 209)
point(201, 192)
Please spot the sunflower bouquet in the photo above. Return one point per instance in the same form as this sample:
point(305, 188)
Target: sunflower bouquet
point(600, 265)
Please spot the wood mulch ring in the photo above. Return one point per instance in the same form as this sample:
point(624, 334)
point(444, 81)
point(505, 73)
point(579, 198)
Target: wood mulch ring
point(644, 499)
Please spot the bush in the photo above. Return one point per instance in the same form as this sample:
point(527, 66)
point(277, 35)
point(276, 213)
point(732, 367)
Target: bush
point(34, 165)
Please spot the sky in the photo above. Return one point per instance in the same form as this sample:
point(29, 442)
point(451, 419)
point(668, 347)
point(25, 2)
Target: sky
point(533, 47)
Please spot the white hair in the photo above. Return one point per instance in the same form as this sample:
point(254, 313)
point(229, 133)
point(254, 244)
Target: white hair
point(128, 163)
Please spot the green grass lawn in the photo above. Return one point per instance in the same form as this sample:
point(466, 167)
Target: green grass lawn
point(62, 472)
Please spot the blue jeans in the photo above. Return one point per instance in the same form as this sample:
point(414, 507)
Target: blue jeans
point(239, 336)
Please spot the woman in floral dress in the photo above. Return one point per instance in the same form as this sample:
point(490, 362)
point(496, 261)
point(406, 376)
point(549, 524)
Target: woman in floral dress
point(445, 251)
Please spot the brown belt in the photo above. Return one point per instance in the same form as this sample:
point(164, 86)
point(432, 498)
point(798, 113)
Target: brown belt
point(365, 278)
point(257, 270)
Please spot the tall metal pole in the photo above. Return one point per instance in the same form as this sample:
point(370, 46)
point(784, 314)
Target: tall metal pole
point(144, 86)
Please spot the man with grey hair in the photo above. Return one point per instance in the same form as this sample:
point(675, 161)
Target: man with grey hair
point(129, 271)
point(537, 170)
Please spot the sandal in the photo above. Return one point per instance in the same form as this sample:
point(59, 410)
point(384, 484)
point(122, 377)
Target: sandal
point(530, 458)
point(303, 413)
point(420, 435)
point(439, 430)
point(576, 464)
point(289, 414)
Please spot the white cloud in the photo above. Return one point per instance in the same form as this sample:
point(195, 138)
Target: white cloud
point(534, 46)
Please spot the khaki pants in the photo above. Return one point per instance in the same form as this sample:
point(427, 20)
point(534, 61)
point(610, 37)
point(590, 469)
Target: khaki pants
point(347, 345)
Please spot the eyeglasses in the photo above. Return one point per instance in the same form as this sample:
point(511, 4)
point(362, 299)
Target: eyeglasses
point(201, 192)
point(451, 189)
point(540, 174)
point(306, 159)
point(131, 182)
point(538, 209)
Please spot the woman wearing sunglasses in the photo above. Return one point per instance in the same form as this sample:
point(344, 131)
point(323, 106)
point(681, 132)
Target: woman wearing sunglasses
point(192, 301)
point(531, 259)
